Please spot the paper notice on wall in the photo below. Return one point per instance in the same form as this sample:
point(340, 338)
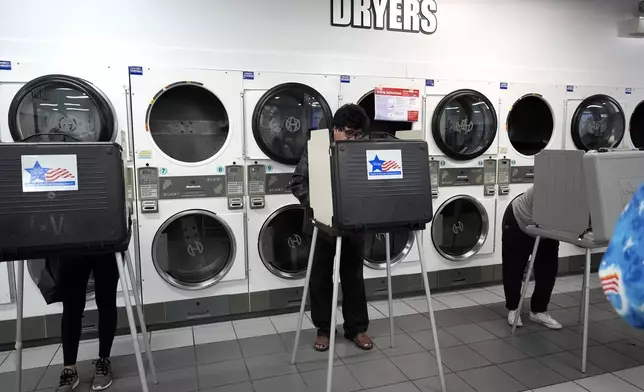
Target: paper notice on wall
point(397, 104)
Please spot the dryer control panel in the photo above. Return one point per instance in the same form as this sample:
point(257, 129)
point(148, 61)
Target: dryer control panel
point(257, 186)
point(235, 187)
point(489, 177)
point(149, 189)
point(504, 177)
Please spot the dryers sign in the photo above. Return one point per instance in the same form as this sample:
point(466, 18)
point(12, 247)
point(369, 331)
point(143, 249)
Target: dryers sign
point(413, 16)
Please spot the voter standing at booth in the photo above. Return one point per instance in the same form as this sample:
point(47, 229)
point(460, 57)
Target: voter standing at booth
point(74, 274)
point(349, 123)
point(517, 247)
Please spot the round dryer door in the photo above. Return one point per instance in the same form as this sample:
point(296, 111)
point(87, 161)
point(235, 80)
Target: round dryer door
point(193, 250)
point(283, 246)
point(464, 125)
point(57, 108)
point(598, 122)
point(460, 228)
point(637, 126)
point(188, 122)
point(283, 118)
point(38, 271)
point(368, 103)
point(530, 125)
point(375, 251)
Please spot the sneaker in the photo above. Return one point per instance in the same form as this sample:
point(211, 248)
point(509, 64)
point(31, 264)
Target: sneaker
point(511, 315)
point(103, 374)
point(546, 319)
point(68, 380)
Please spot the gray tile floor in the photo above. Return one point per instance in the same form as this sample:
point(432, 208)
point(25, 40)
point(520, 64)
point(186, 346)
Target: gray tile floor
point(478, 351)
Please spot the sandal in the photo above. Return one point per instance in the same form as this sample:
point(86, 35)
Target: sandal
point(363, 341)
point(321, 343)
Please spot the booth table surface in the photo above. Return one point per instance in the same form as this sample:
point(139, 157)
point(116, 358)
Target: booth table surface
point(478, 352)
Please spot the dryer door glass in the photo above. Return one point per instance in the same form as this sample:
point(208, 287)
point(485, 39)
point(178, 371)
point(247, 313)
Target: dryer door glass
point(38, 270)
point(61, 109)
point(460, 228)
point(375, 251)
point(598, 122)
point(193, 250)
point(530, 125)
point(283, 118)
point(368, 103)
point(283, 246)
point(464, 124)
point(637, 126)
point(188, 122)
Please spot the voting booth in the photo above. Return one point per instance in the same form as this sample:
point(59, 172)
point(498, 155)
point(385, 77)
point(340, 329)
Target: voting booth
point(364, 186)
point(66, 200)
point(578, 199)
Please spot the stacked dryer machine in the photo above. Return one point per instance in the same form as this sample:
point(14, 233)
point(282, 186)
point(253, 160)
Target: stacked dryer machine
point(403, 251)
point(62, 103)
point(635, 102)
point(190, 175)
point(280, 111)
point(595, 119)
point(462, 133)
point(533, 120)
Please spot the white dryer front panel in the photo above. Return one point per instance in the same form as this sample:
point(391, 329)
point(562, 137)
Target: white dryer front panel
point(461, 120)
point(280, 110)
point(595, 118)
point(187, 121)
point(532, 120)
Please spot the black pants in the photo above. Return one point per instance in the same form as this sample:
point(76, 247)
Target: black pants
point(354, 300)
point(74, 275)
point(516, 250)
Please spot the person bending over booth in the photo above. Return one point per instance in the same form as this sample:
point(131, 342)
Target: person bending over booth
point(516, 251)
point(349, 123)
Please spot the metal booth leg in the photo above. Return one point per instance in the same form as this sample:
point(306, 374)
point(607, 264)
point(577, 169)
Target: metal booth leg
point(139, 310)
point(582, 301)
point(20, 280)
point(130, 317)
point(389, 291)
point(432, 318)
point(334, 312)
point(584, 353)
point(304, 295)
point(526, 282)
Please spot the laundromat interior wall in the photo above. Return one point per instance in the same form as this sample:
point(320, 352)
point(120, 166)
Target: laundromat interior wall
point(557, 41)
point(566, 42)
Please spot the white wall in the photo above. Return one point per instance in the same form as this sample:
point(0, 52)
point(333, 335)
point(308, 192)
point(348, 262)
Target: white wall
point(562, 41)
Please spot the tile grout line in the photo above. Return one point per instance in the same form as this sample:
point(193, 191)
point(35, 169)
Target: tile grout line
point(623, 379)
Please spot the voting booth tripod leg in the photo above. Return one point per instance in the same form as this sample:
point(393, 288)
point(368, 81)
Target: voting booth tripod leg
point(334, 312)
point(430, 307)
point(583, 298)
point(20, 272)
point(586, 306)
point(305, 293)
point(130, 317)
point(526, 282)
point(389, 291)
point(139, 309)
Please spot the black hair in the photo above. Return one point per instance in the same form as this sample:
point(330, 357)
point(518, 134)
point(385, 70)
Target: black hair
point(351, 116)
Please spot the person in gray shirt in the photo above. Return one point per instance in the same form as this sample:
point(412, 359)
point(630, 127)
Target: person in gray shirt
point(517, 247)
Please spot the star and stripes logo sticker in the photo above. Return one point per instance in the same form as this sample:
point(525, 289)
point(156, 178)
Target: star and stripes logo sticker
point(384, 164)
point(49, 173)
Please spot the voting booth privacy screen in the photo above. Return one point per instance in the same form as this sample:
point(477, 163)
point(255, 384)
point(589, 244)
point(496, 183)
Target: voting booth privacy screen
point(60, 198)
point(365, 185)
